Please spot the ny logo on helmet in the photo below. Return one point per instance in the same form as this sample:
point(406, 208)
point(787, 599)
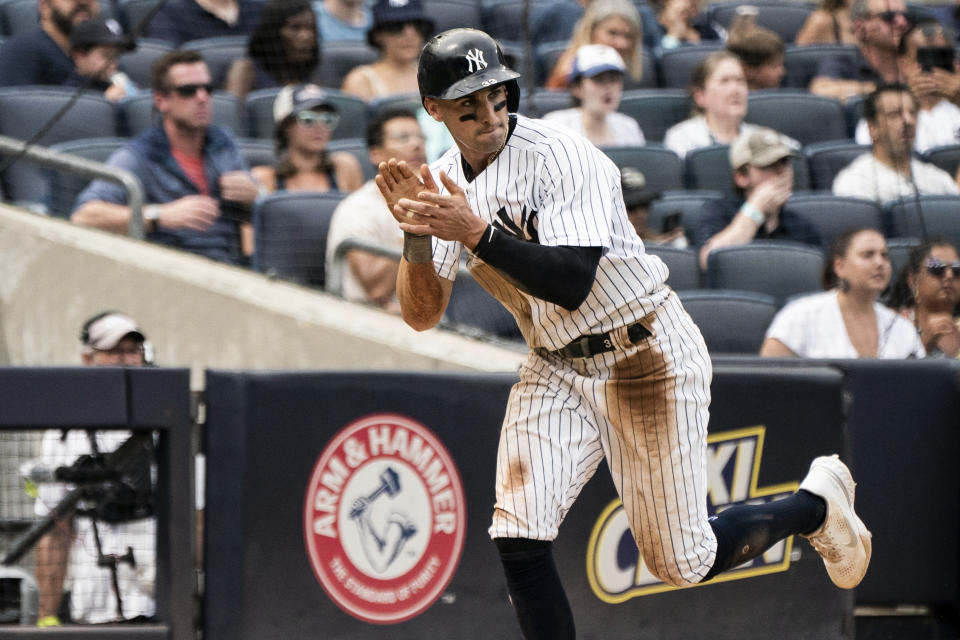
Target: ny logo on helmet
point(475, 61)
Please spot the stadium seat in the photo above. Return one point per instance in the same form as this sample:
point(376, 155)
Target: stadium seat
point(503, 19)
point(688, 204)
point(451, 14)
point(924, 217)
point(801, 63)
point(472, 310)
point(137, 63)
point(709, 168)
point(731, 321)
point(656, 110)
point(805, 117)
point(682, 262)
point(946, 157)
point(357, 147)
point(832, 215)
point(137, 113)
point(784, 19)
point(338, 57)
point(291, 235)
point(826, 159)
point(24, 111)
point(899, 250)
point(543, 101)
point(660, 166)
point(219, 52)
point(546, 56)
point(259, 114)
point(66, 186)
point(257, 152)
point(677, 65)
point(408, 101)
point(777, 268)
point(548, 53)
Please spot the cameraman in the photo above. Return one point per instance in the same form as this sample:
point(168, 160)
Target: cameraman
point(73, 586)
point(926, 62)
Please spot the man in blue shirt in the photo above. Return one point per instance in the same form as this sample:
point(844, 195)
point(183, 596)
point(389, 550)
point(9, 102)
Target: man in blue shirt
point(43, 56)
point(194, 176)
point(180, 21)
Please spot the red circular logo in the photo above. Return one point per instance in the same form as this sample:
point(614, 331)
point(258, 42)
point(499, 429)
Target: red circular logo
point(384, 518)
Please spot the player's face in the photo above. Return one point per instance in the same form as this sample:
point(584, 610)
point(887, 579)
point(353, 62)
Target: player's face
point(601, 93)
point(939, 291)
point(896, 125)
point(187, 103)
point(403, 140)
point(724, 94)
point(866, 265)
point(477, 122)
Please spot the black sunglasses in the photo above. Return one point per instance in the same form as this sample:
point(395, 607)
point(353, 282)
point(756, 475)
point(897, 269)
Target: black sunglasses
point(890, 16)
point(190, 90)
point(937, 268)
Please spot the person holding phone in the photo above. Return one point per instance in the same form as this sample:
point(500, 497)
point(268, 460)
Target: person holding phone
point(763, 180)
point(927, 64)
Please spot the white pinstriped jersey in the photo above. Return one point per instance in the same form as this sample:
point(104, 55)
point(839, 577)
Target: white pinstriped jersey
point(553, 187)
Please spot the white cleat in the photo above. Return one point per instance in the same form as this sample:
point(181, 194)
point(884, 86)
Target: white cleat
point(843, 541)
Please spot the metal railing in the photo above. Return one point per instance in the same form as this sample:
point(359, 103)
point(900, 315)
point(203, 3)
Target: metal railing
point(86, 168)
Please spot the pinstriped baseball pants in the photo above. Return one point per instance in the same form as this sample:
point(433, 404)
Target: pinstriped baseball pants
point(644, 408)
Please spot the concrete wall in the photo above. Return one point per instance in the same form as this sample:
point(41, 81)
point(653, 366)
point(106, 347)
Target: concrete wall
point(197, 313)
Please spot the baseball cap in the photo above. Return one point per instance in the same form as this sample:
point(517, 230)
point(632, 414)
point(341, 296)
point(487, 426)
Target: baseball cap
point(100, 32)
point(399, 11)
point(761, 147)
point(593, 59)
point(634, 186)
point(299, 97)
point(106, 331)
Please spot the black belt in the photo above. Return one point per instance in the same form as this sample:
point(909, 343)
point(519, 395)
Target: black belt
point(590, 345)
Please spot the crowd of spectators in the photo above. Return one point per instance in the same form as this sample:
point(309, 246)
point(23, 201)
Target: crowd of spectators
point(894, 72)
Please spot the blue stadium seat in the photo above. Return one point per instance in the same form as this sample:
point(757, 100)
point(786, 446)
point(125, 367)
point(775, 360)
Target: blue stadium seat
point(656, 110)
point(24, 111)
point(777, 268)
point(732, 322)
point(800, 115)
point(784, 19)
point(357, 147)
point(709, 168)
point(137, 63)
point(219, 52)
point(66, 186)
point(259, 114)
point(338, 57)
point(503, 19)
point(832, 215)
point(899, 250)
point(131, 13)
point(946, 157)
point(682, 262)
point(677, 65)
point(257, 152)
point(409, 101)
point(472, 310)
point(137, 114)
point(291, 235)
point(924, 217)
point(826, 159)
point(688, 204)
point(451, 14)
point(543, 101)
point(801, 63)
point(660, 166)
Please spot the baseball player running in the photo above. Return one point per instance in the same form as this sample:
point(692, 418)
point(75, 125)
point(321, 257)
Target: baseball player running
point(617, 370)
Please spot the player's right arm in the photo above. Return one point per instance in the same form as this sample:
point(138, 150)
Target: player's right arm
point(422, 293)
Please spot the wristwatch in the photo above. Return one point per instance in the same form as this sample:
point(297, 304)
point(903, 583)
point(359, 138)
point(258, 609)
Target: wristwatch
point(151, 214)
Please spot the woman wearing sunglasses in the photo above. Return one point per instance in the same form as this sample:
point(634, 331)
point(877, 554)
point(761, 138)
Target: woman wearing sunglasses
point(846, 320)
point(927, 293)
point(398, 33)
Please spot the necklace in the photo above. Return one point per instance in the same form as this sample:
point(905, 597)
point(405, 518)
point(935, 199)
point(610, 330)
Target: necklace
point(497, 153)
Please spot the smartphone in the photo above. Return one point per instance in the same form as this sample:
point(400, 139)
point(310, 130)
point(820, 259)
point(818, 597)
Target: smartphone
point(671, 222)
point(930, 58)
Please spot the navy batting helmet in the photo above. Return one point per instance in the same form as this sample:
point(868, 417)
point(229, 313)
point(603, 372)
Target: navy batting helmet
point(458, 62)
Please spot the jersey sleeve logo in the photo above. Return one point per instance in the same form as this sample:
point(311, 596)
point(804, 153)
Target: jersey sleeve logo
point(526, 230)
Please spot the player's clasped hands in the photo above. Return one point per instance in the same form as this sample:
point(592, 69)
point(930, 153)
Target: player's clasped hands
point(419, 207)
